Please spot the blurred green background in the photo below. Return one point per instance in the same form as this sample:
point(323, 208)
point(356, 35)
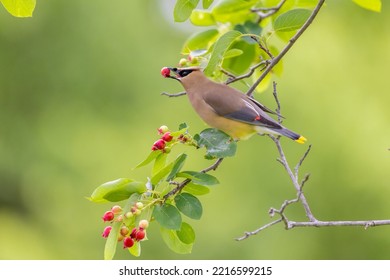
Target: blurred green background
point(80, 103)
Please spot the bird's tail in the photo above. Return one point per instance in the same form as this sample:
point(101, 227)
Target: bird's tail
point(290, 134)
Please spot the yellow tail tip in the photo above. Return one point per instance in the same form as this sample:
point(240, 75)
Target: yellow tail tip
point(301, 140)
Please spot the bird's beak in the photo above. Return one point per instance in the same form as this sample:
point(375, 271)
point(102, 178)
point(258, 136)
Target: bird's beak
point(174, 70)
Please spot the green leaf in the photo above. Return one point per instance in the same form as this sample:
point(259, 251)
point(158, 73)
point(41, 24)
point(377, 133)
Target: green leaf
point(240, 64)
point(152, 156)
point(112, 241)
point(177, 166)
point(183, 9)
point(117, 190)
point(233, 11)
point(219, 50)
point(291, 20)
point(189, 205)
point(183, 126)
point(232, 53)
point(186, 234)
point(19, 8)
point(199, 178)
point(196, 189)
point(135, 250)
point(168, 216)
point(200, 41)
point(173, 241)
point(265, 83)
point(372, 5)
point(161, 174)
point(206, 3)
point(159, 163)
point(202, 18)
point(218, 144)
point(249, 27)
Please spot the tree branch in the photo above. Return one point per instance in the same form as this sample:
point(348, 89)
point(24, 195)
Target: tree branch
point(180, 186)
point(174, 95)
point(291, 42)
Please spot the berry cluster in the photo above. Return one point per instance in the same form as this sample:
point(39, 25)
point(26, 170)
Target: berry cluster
point(166, 137)
point(129, 237)
point(136, 234)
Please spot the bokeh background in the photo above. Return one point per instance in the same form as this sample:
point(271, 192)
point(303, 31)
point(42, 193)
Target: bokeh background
point(80, 103)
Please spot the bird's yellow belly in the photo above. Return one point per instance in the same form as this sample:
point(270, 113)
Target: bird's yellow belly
point(237, 130)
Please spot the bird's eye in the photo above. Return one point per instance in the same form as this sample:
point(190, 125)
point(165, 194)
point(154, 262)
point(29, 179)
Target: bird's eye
point(184, 73)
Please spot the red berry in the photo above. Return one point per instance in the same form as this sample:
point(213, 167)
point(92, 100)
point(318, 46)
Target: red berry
point(159, 144)
point(133, 233)
point(167, 137)
point(165, 72)
point(140, 235)
point(108, 216)
point(128, 242)
point(106, 231)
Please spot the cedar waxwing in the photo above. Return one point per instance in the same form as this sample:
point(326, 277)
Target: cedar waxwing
point(226, 108)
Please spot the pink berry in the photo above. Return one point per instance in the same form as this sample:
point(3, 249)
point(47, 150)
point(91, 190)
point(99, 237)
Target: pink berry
point(128, 242)
point(106, 231)
point(140, 234)
point(167, 137)
point(108, 216)
point(165, 72)
point(159, 144)
point(116, 209)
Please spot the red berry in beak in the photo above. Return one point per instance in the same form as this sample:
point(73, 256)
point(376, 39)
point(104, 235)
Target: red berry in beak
point(165, 72)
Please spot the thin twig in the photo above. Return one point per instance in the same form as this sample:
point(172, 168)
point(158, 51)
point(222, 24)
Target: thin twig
point(365, 224)
point(250, 233)
point(280, 120)
point(252, 69)
point(294, 180)
point(291, 42)
point(174, 94)
point(266, 12)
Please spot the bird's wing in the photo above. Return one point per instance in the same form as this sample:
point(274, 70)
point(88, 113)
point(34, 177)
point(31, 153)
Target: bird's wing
point(264, 108)
point(241, 109)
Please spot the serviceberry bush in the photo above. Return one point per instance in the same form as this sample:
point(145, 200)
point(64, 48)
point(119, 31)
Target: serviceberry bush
point(163, 199)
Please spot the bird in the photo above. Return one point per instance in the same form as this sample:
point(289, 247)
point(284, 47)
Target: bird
point(226, 108)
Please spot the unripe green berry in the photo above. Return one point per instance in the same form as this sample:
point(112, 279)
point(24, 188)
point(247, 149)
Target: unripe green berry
point(183, 62)
point(129, 215)
point(139, 205)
